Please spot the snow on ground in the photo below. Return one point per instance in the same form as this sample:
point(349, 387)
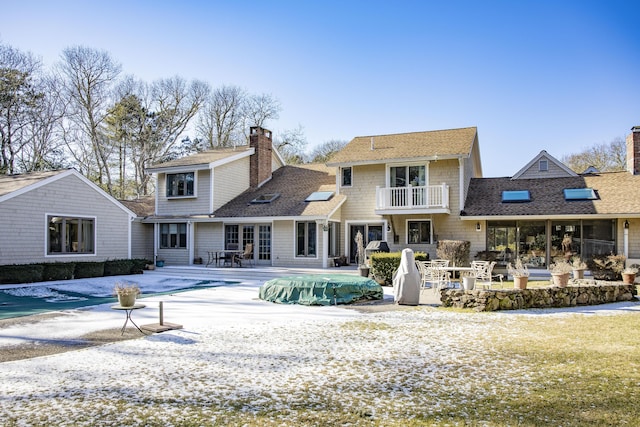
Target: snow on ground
point(238, 352)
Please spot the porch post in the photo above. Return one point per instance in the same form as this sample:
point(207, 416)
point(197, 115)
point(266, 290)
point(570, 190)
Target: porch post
point(625, 239)
point(325, 245)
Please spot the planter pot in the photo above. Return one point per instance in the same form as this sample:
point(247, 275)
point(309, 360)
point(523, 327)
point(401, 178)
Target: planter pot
point(364, 271)
point(628, 278)
point(128, 300)
point(159, 263)
point(578, 274)
point(561, 280)
point(468, 283)
point(520, 282)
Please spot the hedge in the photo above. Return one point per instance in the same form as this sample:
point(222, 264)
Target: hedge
point(29, 273)
point(384, 264)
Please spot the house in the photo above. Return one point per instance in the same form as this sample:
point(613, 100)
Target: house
point(231, 197)
point(60, 216)
point(546, 211)
point(407, 189)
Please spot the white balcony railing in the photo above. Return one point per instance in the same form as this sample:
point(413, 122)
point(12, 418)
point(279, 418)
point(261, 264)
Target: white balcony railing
point(404, 198)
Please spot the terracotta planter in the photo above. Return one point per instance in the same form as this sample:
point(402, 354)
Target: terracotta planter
point(628, 278)
point(520, 282)
point(128, 300)
point(561, 280)
point(578, 274)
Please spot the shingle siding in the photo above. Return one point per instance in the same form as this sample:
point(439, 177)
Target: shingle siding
point(24, 224)
point(230, 180)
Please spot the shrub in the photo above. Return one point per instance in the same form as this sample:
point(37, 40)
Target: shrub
point(456, 251)
point(608, 267)
point(25, 273)
point(58, 271)
point(89, 269)
point(384, 264)
point(118, 267)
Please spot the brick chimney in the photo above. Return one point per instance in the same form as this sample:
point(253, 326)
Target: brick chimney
point(260, 162)
point(633, 151)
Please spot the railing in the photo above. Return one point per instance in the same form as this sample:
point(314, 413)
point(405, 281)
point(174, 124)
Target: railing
point(425, 197)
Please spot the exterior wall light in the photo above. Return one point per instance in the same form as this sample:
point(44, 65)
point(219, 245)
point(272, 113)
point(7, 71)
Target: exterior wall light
point(478, 227)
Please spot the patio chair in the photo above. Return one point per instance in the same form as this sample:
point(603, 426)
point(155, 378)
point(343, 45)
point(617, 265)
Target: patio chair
point(247, 255)
point(229, 257)
point(433, 276)
point(484, 274)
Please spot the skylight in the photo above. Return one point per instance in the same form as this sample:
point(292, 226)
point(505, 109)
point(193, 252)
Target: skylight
point(580, 194)
point(266, 198)
point(319, 196)
point(516, 196)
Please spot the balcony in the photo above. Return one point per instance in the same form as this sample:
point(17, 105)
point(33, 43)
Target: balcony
point(425, 199)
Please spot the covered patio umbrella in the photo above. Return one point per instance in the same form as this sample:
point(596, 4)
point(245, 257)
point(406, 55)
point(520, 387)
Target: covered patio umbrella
point(406, 281)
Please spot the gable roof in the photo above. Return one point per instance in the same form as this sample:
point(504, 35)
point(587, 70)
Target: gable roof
point(294, 183)
point(11, 185)
point(451, 143)
point(14, 185)
point(619, 194)
point(563, 169)
point(204, 159)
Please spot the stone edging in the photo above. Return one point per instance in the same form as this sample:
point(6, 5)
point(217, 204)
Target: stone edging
point(579, 292)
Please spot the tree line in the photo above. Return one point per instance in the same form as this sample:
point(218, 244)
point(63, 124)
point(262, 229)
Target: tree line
point(85, 113)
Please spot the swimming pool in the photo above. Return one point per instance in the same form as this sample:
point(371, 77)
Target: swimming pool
point(25, 300)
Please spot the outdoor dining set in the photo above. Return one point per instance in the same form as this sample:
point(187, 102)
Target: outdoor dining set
point(438, 274)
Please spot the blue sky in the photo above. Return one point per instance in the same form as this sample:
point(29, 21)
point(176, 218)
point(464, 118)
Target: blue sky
point(531, 75)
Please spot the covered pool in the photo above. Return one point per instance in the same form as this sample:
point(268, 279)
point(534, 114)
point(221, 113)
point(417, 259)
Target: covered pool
point(35, 298)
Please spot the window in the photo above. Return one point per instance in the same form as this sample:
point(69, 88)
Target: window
point(580, 194)
point(346, 176)
point(515, 196)
point(265, 198)
point(543, 165)
point(180, 184)
point(319, 196)
point(69, 235)
point(419, 232)
point(403, 176)
point(173, 236)
point(306, 239)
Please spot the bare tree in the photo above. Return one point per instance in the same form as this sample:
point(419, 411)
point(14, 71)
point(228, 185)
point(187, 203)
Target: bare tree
point(604, 157)
point(260, 109)
point(220, 123)
point(323, 152)
point(88, 76)
point(291, 145)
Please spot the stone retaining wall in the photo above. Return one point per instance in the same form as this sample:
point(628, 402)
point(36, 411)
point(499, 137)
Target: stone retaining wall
point(580, 292)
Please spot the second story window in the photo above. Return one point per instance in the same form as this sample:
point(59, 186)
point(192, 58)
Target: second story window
point(346, 177)
point(180, 184)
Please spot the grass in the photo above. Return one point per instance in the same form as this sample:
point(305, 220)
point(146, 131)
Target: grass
point(545, 368)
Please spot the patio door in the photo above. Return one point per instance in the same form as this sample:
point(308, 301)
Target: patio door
point(264, 244)
point(369, 232)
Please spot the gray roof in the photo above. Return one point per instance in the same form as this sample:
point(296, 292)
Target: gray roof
point(294, 183)
point(619, 194)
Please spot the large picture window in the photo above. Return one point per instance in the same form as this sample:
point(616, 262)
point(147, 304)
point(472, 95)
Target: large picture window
point(69, 235)
point(419, 232)
point(173, 236)
point(180, 184)
point(306, 239)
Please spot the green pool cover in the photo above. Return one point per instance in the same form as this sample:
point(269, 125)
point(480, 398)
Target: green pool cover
point(320, 289)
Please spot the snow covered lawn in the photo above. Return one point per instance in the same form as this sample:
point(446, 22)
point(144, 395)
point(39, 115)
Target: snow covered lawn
point(243, 361)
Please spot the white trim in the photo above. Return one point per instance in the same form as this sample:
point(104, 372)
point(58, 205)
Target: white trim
point(460, 184)
point(396, 160)
point(189, 196)
point(247, 153)
point(61, 175)
point(549, 157)
point(72, 254)
point(542, 217)
point(295, 256)
point(406, 230)
point(366, 223)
